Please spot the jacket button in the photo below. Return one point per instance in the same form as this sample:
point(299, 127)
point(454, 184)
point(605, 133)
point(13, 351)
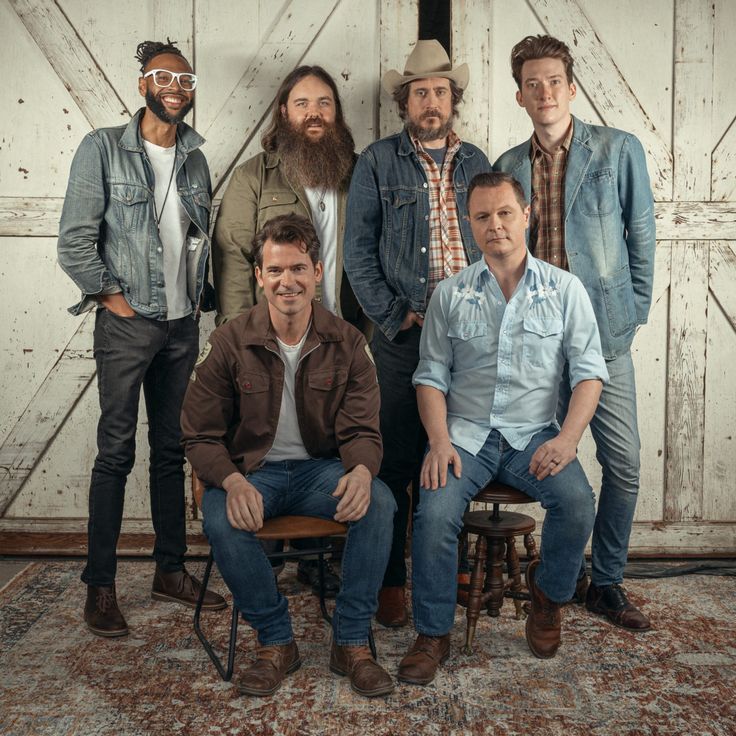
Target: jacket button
point(422, 280)
point(247, 385)
point(328, 382)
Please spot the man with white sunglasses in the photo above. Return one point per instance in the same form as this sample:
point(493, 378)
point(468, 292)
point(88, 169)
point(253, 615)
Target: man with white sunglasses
point(134, 238)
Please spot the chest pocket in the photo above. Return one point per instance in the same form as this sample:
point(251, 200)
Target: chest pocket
point(598, 194)
point(253, 383)
point(467, 329)
point(132, 203)
point(327, 379)
point(469, 339)
point(542, 341)
point(276, 202)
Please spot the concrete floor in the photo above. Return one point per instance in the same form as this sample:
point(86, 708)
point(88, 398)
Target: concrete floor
point(10, 568)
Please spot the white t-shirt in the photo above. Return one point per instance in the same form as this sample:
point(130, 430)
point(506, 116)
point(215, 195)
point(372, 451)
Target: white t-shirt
point(172, 230)
point(325, 223)
point(287, 444)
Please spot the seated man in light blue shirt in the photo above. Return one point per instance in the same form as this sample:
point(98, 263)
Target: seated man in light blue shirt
point(495, 340)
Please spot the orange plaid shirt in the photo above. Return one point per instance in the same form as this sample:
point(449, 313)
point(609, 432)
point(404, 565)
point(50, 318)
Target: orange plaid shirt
point(547, 225)
point(446, 252)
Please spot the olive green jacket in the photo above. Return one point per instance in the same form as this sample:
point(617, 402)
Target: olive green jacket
point(258, 191)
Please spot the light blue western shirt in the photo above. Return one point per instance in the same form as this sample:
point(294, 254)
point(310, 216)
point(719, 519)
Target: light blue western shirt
point(499, 364)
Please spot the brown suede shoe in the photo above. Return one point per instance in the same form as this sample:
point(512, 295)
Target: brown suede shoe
point(611, 601)
point(179, 586)
point(101, 612)
point(392, 611)
point(367, 677)
point(419, 665)
point(544, 622)
point(273, 663)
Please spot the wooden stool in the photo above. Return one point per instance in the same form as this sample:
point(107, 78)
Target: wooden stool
point(495, 542)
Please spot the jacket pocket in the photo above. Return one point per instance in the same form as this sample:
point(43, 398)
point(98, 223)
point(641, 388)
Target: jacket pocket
point(253, 383)
point(598, 193)
point(618, 295)
point(399, 208)
point(131, 203)
point(542, 341)
point(274, 202)
point(327, 379)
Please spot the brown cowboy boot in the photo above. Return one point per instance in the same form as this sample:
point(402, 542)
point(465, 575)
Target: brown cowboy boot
point(392, 611)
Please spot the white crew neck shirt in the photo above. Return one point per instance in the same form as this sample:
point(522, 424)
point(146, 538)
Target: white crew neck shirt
point(325, 223)
point(172, 229)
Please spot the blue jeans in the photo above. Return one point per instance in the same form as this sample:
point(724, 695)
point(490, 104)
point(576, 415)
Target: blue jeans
point(302, 487)
point(567, 498)
point(158, 355)
point(614, 429)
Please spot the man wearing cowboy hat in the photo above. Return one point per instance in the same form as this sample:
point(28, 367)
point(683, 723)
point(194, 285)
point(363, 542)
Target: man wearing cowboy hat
point(405, 231)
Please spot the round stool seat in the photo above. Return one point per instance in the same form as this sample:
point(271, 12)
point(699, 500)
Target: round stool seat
point(508, 523)
point(300, 527)
point(500, 493)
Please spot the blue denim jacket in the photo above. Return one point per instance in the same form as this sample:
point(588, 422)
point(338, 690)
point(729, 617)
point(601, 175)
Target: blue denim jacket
point(609, 225)
point(387, 227)
point(108, 238)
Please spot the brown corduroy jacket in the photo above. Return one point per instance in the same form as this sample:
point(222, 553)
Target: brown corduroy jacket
point(231, 408)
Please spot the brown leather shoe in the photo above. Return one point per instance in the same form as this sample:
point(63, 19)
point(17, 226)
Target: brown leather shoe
point(101, 612)
point(392, 611)
point(611, 601)
point(544, 622)
point(273, 663)
point(179, 586)
point(419, 665)
point(367, 677)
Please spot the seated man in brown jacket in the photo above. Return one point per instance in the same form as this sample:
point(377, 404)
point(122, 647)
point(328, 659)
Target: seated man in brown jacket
point(281, 417)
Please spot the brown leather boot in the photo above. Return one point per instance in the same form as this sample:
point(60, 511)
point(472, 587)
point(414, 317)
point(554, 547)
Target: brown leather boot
point(273, 663)
point(544, 622)
point(419, 665)
point(392, 611)
point(367, 677)
point(101, 612)
point(179, 586)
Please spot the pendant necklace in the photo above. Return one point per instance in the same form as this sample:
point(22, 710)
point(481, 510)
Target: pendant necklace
point(322, 205)
point(166, 196)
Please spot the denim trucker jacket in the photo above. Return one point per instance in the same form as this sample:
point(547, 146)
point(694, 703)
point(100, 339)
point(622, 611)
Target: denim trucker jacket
point(387, 227)
point(609, 225)
point(108, 238)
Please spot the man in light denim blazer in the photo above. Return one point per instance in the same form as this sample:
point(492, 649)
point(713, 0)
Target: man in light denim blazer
point(406, 230)
point(133, 237)
point(593, 214)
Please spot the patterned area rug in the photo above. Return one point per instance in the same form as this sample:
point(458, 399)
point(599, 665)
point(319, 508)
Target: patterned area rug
point(57, 679)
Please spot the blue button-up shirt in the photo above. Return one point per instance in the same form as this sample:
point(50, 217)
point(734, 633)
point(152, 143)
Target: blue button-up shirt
point(499, 364)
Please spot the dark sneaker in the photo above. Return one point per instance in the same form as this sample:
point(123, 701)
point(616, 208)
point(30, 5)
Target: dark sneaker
point(273, 663)
point(367, 677)
point(611, 601)
point(180, 587)
point(307, 572)
point(101, 612)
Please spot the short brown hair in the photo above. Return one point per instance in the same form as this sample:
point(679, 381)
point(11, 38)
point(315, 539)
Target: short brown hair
point(540, 47)
point(292, 229)
point(493, 179)
point(401, 97)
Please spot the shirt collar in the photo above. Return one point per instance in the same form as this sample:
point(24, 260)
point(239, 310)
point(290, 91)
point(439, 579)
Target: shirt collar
point(539, 150)
point(452, 143)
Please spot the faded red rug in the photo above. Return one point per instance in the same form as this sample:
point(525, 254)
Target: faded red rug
point(57, 679)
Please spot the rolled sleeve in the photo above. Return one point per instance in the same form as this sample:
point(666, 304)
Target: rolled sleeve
point(582, 342)
point(435, 349)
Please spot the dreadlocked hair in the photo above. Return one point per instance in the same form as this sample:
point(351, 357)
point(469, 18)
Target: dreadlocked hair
point(148, 49)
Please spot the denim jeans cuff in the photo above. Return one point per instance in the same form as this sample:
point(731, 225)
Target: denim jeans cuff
point(426, 632)
point(277, 643)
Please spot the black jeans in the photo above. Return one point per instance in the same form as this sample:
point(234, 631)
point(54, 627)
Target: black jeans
point(159, 355)
point(404, 438)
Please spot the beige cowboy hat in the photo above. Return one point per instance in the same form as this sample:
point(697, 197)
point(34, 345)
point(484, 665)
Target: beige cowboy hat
point(428, 59)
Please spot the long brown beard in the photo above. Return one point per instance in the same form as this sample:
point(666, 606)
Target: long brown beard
point(323, 164)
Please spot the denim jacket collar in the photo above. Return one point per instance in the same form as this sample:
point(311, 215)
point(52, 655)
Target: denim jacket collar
point(187, 139)
point(406, 147)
